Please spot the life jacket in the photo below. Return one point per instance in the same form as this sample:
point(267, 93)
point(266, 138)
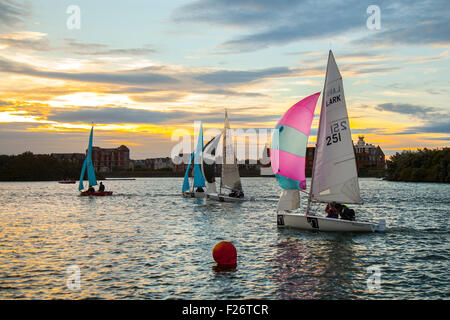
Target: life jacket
point(332, 211)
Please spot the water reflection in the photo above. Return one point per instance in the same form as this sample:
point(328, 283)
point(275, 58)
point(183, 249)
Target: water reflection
point(145, 243)
point(314, 267)
point(224, 268)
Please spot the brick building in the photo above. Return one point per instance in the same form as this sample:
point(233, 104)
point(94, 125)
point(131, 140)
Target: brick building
point(367, 155)
point(107, 159)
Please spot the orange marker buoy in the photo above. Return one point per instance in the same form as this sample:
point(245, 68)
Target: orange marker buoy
point(224, 253)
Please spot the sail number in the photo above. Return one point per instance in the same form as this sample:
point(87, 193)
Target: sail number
point(335, 131)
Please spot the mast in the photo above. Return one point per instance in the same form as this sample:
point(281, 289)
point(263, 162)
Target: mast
point(224, 149)
point(318, 136)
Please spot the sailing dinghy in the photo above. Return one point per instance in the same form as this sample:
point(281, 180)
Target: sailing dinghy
point(230, 181)
point(87, 165)
point(334, 176)
point(199, 180)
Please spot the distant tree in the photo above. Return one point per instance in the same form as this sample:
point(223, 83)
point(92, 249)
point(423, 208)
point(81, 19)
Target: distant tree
point(427, 165)
point(41, 167)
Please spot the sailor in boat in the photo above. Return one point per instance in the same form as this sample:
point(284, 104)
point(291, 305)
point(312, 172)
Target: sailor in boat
point(336, 210)
point(347, 214)
point(332, 210)
point(199, 189)
point(101, 187)
point(91, 189)
point(236, 194)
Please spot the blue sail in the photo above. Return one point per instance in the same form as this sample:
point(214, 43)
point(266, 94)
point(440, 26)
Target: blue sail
point(83, 170)
point(186, 176)
point(199, 180)
point(88, 164)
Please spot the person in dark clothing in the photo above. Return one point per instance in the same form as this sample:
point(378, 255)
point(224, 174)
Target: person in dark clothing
point(90, 189)
point(199, 189)
point(347, 213)
point(101, 187)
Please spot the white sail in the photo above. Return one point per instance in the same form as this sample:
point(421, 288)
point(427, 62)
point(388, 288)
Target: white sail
point(335, 176)
point(230, 172)
point(289, 200)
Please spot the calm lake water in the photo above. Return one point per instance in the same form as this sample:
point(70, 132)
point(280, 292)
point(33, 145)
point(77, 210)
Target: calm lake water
point(147, 242)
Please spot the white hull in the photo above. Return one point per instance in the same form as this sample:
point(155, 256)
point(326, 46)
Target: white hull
point(226, 198)
point(189, 194)
point(304, 222)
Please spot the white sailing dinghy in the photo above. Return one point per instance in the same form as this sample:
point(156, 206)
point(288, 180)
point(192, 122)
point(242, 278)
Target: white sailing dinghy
point(230, 181)
point(334, 176)
point(199, 180)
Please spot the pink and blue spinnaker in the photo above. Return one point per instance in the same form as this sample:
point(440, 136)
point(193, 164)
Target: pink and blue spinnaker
point(289, 142)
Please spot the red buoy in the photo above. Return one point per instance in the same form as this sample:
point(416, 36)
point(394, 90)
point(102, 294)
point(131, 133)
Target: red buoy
point(224, 253)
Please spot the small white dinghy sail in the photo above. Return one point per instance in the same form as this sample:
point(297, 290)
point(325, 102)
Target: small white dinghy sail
point(230, 181)
point(334, 176)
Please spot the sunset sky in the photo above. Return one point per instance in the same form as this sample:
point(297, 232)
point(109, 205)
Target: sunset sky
point(144, 70)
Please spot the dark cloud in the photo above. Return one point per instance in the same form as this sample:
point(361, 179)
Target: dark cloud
point(120, 115)
point(232, 12)
point(38, 44)
point(405, 108)
point(131, 90)
point(270, 23)
point(158, 78)
point(98, 49)
point(416, 111)
point(139, 77)
point(115, 115)
point(236, 77)
point(159, 98)
point(411, 22)
point(430, 127)
point(439, 138)
point(5, 103)
point(423, 33)
point(275, 22)
point(12, 13)
point(230, 93)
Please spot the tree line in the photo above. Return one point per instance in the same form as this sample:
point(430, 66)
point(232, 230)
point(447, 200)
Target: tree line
point(36, 167)
point(427, 165)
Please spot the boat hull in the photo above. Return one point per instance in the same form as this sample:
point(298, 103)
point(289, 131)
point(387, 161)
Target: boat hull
point(299, 221)
point(96, 194)
point(226, 198)
point(195, 194)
